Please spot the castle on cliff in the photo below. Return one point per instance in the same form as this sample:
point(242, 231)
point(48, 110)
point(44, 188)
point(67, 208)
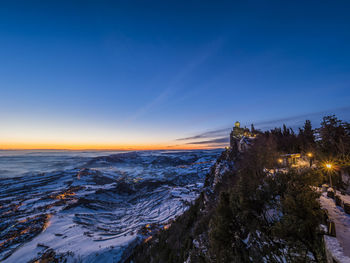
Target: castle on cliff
point(241, 138)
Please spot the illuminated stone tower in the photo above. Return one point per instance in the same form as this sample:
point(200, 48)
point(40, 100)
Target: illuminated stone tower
point(236, 134)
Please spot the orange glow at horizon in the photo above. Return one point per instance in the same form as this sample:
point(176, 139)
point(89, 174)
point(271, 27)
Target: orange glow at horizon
point(100, 147)
point(34, 135)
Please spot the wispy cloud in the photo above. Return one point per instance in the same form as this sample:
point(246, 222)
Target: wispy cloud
point(207, 134)
point(175, 83)
point(221, 140)
point(297, 119)
point(219, 137)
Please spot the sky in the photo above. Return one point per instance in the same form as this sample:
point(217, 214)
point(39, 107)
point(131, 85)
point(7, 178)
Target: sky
point(167, 74)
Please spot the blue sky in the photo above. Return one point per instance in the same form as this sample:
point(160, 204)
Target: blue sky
point(128, 73)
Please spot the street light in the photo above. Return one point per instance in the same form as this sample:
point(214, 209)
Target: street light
point(310, 155)
point(329, 168)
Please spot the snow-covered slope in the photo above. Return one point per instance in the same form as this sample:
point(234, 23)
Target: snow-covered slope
point(94, 211)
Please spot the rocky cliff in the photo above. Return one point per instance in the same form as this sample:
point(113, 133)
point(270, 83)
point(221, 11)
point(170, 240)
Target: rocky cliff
point(244, 215)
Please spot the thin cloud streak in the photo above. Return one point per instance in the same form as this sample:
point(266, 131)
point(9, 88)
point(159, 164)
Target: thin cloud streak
point(220, 140)
point(175, 84)
point(221, 136)
point(302, 117)
point(208, 134)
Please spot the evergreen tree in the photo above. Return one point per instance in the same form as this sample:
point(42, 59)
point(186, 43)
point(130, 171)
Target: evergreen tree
point(335, 137)
point(285, 130)
point(306, 137)
point(252, 128)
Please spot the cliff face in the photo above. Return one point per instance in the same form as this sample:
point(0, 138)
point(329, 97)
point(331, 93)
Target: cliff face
point(244, 215)
point(187, 239)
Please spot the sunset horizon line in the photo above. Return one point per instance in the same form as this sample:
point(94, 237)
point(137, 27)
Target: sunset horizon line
point(106, 148)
